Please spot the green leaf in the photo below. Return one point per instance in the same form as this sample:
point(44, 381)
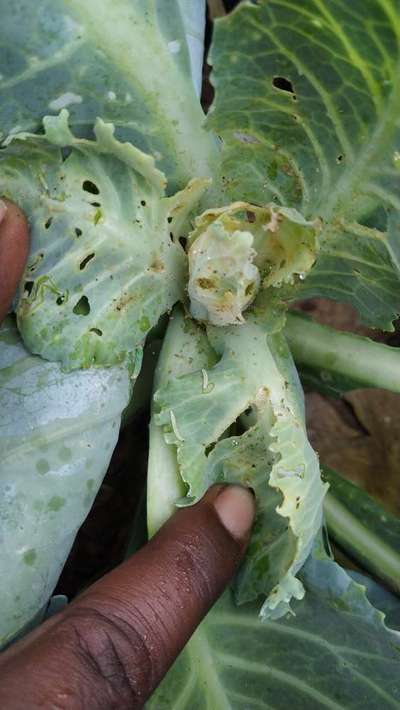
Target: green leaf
point(105, 261)
point(381, 599)
point(248, 460)
point(126, 61)
point(335, 653)
point(274, 456)
point(355, 266)
point(185, 348)
point(307, 103)
point(57, 434)
point(193, 15)
point(364, 528)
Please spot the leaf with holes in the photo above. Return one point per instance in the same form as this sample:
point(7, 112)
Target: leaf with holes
point(105, 260)
point(196, 411)
point(307, 104)
point(294, 181)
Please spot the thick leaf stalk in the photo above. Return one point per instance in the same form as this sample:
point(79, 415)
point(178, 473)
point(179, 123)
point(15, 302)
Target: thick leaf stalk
point(336, 362)
point(362, 527)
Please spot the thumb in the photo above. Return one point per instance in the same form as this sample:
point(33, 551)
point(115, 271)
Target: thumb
point(14, 244)
point(113, 645)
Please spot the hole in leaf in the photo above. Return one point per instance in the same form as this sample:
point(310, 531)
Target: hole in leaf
point(283, 84)
point(65, 153)
point(86, 260)
point(28, 286)
point(171, 236)
point(143, 203)
point(33, 265)
point(48, 223)
point(60, 300)
point(209, 448)
point(308, 306)
point(339, 158)
point(169, 220)
point(95, 204)
point(89, 186)
point(97, 331)
point(82, 308)
point(78, 232)
point(250, 217)
point(183, 242)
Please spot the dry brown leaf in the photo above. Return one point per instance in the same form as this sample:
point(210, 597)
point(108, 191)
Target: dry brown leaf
point(359, 436)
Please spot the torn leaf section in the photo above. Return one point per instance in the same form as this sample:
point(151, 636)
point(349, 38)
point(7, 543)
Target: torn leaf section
point(104, 263)
point(289, 247)
point(236, 249)
point(247, 459)
point(200, 414)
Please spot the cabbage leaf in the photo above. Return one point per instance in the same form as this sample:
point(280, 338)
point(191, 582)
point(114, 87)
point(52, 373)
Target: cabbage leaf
point(335, 652)
point(57, 433)
point(103, 265)
point(237, 249)
point(307, 106)
point(196, 409)
point(185, 346)
point(304, 202)
point(131, 62)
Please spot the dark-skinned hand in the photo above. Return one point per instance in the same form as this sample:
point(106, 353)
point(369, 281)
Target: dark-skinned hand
point(113, 644)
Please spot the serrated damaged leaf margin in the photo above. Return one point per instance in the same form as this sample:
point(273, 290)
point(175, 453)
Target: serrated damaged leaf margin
point(133, 231)
point(255, 369)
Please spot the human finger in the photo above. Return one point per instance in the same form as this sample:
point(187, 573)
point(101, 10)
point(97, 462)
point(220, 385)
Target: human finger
point(112, 646)
point(14, 245)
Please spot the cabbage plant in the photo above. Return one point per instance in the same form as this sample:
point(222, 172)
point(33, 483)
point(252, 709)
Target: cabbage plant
point(143, 208)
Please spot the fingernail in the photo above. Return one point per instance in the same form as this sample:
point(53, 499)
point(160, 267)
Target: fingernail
point(3, 210)
point(235, 506)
